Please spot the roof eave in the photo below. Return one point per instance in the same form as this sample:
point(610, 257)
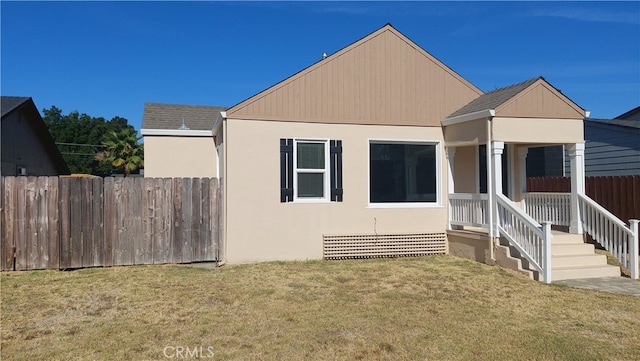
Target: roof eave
point(176, 132)
point(481, 114)
point(217, 125)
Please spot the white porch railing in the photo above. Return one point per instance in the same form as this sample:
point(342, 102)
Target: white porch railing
point(552, 207)
point(531, 239)
point(612, 233)
point(604, 227)
point(467, 209)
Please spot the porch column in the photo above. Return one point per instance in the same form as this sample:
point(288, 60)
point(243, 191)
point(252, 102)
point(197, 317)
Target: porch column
point(451, 156)
point(522, 168)
point(496, 186)
point(576, 153)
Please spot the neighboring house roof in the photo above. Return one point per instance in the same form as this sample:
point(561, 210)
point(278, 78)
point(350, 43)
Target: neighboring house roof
point(173, 116)
point(633, 114)
point(11, 104)
point(382, 79)
point(616, 122)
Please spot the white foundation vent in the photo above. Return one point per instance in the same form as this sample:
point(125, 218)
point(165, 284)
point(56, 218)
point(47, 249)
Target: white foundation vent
point(383, 245)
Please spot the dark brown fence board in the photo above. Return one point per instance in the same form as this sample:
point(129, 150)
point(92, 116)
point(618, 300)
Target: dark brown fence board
point(53, 217)
point(176, 249)
point(9, 223)
point(196, 210)
point(187, 210)
point(21, 244)
point(97, 224)
point(109, 221)
point(205, 218)
point(6, 234)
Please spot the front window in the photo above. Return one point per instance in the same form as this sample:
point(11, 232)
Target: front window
point(401, 172)
point(311, 169)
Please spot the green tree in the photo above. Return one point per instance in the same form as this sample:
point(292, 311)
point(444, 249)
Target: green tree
point(122, 151)
point(80, 137)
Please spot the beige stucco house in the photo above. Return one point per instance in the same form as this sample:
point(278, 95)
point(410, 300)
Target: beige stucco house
point(178, 140)
point(382, 150)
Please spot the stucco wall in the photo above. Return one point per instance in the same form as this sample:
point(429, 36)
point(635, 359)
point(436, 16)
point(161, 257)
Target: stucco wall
point(21, 147)
point(538, 130)
point(260, 228)
point(171, 156)
point(465, 173)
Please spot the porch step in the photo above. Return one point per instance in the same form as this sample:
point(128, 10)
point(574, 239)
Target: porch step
point(571, 258)
point(574, 272)
point(578, 260)
point(571, 249)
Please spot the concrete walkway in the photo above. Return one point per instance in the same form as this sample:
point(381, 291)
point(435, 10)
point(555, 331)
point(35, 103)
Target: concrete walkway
point(621, 285)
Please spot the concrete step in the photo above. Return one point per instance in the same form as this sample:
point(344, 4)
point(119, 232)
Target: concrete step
point(578, 260)
point(572, 249)
point(566, 238)
point(572, 272)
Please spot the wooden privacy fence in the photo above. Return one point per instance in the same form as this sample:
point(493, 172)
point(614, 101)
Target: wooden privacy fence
point(61, 223)
point(620, 195)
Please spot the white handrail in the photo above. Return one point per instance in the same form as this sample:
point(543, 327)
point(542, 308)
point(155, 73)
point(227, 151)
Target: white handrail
point(531, 239)
point(548, 206)
point(612, 233)
point(467, 209)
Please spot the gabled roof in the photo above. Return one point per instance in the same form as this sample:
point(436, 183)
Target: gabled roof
point(633, 114)
point(173, 116)
point(382, 79)
point(494, 98)
point(531, 98)
point(10, 104)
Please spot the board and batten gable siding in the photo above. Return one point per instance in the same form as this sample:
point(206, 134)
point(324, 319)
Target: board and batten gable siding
point(611, 149)
point(382, 79)
point(540, 100)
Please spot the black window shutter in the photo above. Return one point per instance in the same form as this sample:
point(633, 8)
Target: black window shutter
point(286, 170)
point(335, 163)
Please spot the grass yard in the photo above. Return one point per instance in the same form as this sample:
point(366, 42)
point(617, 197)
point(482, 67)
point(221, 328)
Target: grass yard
point(431, 308)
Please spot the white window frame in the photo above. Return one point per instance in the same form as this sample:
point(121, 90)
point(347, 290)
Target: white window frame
point(439, 180)
point(326, 190)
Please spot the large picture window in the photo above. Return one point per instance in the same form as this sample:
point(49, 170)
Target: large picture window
point(401, 172)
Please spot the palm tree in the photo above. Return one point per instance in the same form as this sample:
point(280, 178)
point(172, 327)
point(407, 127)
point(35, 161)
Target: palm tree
point(122, 151)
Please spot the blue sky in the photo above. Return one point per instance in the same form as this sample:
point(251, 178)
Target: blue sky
point(109, 58)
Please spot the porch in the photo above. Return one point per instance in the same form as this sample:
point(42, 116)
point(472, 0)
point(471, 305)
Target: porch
point(525, 241)
point(487, 143)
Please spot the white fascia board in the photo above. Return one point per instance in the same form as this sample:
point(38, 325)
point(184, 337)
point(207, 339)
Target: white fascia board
point(482, 114)
point(177, 132)
point(217, 125)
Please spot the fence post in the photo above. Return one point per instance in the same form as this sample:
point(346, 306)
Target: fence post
point(633, 249)
point(546, 228)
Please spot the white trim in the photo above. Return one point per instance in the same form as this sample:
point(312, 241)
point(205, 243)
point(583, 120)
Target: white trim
point(326, 172)
point(218, 123)
point(482, 114)
point(439, 180)
point(177, 132)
